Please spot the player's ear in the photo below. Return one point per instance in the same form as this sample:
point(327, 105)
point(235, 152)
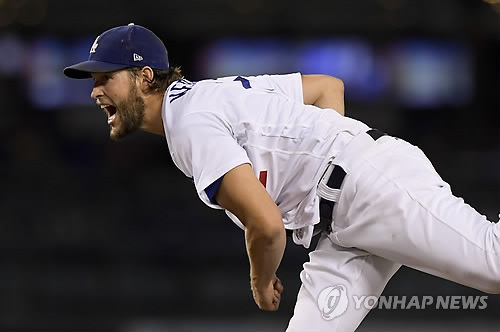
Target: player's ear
point(147, 76)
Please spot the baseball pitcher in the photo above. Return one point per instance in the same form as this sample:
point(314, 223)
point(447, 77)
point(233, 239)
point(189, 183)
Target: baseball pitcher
point(277, 154)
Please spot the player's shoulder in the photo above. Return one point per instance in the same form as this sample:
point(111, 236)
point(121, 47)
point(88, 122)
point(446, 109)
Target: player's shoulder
point(185, 84)
point(260, 77)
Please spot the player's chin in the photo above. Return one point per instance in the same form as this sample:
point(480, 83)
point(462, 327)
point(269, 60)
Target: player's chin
point(120, 132)
point(116, 133)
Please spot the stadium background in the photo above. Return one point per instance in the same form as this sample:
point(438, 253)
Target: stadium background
point(104, 236)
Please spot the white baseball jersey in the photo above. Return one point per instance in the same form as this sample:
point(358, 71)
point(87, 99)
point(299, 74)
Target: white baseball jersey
point(393, 209)
point(212, 126)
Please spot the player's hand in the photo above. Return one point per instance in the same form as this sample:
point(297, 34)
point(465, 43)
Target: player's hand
point(267, 297)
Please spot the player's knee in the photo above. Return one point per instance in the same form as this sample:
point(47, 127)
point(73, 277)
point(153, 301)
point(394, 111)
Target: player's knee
point(493, 286)
point(494, 277)
point(494, 259)
point(487, 280)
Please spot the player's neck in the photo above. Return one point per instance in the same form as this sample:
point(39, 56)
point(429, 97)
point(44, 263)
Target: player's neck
point(153, 122)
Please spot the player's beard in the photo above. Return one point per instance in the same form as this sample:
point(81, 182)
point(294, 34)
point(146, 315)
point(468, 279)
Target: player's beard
point(131, 113)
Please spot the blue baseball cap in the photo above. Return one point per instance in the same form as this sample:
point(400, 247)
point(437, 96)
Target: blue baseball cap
point(122, 47)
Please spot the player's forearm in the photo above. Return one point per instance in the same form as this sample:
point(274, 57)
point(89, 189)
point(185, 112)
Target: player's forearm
point(265, 251)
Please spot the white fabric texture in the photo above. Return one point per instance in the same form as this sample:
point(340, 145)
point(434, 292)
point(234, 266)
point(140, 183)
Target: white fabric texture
point(213, 126)
point(394, 209)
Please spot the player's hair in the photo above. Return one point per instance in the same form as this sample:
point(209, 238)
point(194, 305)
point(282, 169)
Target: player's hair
point(161, 78)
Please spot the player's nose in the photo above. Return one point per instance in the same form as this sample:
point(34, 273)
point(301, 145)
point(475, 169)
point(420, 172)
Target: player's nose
point(96, 92)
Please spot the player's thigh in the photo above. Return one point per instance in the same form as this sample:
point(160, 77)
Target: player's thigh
point(330, 280)
point(446, 238)
point(402, 210)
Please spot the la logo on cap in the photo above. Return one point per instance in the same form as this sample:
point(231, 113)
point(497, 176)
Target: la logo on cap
point(94, 45)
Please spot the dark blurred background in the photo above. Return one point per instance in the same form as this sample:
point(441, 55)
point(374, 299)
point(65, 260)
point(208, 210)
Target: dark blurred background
point(104, 236)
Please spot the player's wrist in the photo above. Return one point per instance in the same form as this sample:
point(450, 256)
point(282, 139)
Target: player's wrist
point(261, 283)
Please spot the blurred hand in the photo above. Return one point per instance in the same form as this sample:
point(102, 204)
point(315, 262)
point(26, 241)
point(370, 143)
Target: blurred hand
point(267, 297)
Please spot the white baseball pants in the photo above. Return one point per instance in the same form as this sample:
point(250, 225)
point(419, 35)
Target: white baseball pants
point(394, 209)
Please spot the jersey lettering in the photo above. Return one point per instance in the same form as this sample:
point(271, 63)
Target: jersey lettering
point(263, 178)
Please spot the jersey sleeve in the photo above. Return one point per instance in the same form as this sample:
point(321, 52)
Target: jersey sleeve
point(289, 85)
point(205, 149)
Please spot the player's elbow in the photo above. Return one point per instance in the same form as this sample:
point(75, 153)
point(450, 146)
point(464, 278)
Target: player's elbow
point(335, 83)
point(267, 228)
point(330, 85)
point(332, 94)
point(335, 87)
point(267, 236)
point(275, 231)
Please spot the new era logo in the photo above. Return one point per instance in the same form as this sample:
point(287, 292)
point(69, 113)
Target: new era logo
point(137, 57)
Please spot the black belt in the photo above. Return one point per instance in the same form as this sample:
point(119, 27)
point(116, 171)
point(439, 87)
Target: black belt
point(335, 182)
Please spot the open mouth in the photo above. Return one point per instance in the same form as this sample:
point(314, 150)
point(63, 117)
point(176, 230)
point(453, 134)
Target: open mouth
point(110, 111)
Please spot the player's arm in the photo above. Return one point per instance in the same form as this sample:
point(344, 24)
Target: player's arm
point(323, 91)
point(242, 194)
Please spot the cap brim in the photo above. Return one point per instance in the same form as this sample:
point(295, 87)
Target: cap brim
point(84, 69)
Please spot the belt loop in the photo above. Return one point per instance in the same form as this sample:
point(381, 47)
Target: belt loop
point(329, 193)
point(329, 190)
